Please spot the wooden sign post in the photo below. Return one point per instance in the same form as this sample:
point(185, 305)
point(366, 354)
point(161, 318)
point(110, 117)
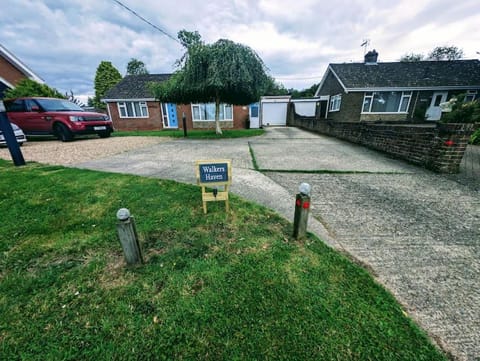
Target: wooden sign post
point(214, 173)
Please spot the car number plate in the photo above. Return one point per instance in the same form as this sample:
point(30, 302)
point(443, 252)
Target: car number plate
point(100, 128)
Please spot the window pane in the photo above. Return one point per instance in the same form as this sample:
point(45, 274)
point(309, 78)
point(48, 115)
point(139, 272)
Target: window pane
point(143, 108)
point(228, 111)
point(221, 111)
point(129, 109)
point(123, 111)
point(196, 112)
point(366, 104)
point(386, 102)
point(404, 105)
point(136, 106)
point(210, 111)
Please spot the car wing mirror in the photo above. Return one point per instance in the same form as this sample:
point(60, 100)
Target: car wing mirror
point(35, 108)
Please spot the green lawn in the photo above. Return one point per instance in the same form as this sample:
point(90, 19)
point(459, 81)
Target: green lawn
point(214, 287)
point(194, 134)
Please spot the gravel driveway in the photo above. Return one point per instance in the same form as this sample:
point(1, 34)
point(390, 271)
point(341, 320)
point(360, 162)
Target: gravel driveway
point(51, 151)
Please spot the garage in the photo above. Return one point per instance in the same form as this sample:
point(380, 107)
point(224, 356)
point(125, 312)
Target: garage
point(274, 110)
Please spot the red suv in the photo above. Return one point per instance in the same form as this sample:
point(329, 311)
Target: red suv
point(59, 117)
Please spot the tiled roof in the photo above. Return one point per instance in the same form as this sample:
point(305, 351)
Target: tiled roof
point(135, 87)
point(409, 74)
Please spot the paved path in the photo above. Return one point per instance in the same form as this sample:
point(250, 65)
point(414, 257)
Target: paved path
point(418, 232)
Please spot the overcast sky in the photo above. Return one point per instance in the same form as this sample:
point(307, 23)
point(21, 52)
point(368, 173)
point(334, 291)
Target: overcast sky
point(63, 41)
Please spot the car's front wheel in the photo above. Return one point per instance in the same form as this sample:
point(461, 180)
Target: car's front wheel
point(104, 134)
point(63, 133)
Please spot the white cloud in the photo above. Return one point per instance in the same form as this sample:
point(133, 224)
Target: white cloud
point(64, 41)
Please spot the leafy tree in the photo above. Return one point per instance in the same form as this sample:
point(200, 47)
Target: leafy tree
point(190, 41)
point(136, 67)
point(30, 88)
point(274, 88)
point(223, 72)
point(411, 58)
point(304, 93)
point(106, 77)
point(446, 53)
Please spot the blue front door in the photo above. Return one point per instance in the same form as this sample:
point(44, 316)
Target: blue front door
point(172, 115)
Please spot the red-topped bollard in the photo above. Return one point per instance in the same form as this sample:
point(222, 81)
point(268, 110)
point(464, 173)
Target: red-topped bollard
point(302, 209)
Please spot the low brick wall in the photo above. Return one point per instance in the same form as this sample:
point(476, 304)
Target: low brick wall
point(439, 147)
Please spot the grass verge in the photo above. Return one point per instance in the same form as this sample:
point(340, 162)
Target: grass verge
point(214, 287)
point(193, 134)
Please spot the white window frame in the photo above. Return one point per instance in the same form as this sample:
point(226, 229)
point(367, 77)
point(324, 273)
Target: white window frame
point(142, 106)
point(406, 97)
point(198, 106)
point(470, 96)
point(335, 102)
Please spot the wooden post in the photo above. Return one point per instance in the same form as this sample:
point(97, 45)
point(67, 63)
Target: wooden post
point(127, 233)
point(302, 209)
point(184, 124)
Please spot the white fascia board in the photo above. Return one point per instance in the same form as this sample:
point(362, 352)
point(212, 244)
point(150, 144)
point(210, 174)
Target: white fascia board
point(438, 88)
point(129, 100)
point(19, 65)
point(275, 99)
point(7, 83)
point(311, 100)
point(322, 81)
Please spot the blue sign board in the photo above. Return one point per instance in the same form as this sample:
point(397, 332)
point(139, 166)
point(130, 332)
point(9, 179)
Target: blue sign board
point(213, 173)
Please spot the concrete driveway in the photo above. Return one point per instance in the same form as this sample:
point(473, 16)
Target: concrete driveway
point(418, 232)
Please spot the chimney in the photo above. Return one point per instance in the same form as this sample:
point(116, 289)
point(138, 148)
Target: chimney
point(371, 57)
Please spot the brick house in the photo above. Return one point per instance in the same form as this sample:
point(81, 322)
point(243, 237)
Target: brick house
point(396, 91)
point(132, 106)
point(12, 70)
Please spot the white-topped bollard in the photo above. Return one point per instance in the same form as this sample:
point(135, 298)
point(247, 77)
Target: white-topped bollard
point(127, 233)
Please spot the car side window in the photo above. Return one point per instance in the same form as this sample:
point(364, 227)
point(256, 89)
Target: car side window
point(29, 103)
point(17, 105)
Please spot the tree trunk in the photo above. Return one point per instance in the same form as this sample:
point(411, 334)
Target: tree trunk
point(218, 130)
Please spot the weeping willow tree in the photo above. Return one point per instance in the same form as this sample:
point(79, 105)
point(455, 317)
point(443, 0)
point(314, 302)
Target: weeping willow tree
point(222, 72)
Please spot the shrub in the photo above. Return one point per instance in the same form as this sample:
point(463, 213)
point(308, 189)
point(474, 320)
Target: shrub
point(463, 112)
point(30, 88)
point(475, 138)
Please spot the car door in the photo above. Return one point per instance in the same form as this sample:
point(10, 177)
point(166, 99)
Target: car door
point(39, 122)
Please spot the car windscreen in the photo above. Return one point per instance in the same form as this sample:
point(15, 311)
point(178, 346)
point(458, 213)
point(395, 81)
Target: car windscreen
point(58, 105)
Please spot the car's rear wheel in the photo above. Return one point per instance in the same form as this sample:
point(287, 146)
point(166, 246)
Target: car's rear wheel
point(63, 133)
point(104, 134)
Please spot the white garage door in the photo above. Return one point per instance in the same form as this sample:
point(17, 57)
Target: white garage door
point(274, 114)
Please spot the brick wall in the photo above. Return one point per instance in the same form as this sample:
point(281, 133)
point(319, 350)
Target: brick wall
point(439, 147)
point(9, 72)
point(153, 122)
point(240, 114)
